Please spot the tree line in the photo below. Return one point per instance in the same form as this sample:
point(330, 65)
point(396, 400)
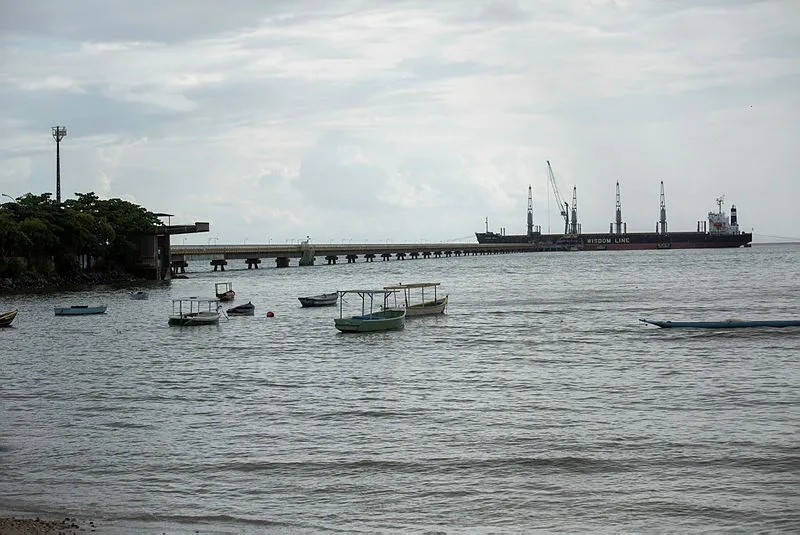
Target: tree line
point(40, 235)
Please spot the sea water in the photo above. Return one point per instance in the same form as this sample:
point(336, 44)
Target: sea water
point(538, 402)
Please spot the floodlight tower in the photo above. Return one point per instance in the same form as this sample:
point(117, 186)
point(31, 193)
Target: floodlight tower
point(59, 132)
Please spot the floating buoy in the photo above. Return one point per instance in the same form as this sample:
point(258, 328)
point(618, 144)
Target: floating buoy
point(270, 314)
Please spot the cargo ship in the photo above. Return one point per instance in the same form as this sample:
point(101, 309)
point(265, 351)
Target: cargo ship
point(717, 231)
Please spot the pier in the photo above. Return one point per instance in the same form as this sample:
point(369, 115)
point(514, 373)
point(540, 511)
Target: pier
point(308, 253)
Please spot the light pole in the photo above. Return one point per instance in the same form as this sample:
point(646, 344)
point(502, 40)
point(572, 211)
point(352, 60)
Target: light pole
point(9, 196)
point(59, 132)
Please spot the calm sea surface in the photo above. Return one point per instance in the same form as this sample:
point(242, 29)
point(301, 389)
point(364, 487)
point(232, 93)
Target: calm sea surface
point(538, 403)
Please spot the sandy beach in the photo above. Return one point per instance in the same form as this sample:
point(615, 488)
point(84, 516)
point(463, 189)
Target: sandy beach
point(38, 526)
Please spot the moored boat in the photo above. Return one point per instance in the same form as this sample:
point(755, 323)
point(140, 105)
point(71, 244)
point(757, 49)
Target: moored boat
point(247, 309)
point(7, 317)
point(321, 300)
point(420, 306)
point(80, 310)
point(370, 320)
point(191, 311)
point(726, 324)
point(224, 291)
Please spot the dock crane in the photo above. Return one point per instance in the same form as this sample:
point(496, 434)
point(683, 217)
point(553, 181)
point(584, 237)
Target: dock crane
point(562, 205)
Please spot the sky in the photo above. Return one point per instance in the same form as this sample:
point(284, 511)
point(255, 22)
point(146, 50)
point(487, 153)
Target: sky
point(407, 121)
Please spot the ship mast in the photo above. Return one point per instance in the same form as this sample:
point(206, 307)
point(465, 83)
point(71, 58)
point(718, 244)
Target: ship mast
point(574, 227)
point(618, 227)
point(530, 211)
point(661, 226)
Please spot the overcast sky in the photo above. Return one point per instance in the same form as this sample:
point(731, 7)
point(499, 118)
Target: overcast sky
point(407, 120)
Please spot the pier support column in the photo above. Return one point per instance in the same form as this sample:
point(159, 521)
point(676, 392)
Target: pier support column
point(253, 262)
point(386, 256)
point(369, 257)
point(401, 256)
point(351, 258)
point(414, 255)
point(282, 262)
point(331, 259)
point(426, 255)
point(219, 263)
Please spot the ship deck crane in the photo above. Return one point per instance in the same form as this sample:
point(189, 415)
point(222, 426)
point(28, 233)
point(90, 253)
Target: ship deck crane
point(563, 206)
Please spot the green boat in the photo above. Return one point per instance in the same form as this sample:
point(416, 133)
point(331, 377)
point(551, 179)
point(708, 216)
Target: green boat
point(370, 320)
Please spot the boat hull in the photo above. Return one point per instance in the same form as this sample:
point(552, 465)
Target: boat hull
point(728, 324)
point(226, 296)
point(79, 310)
point(385, 320)
point(7, 317)
point(619, 242)
point(194, 319)
point(322, 300)
point(428, 308)
point(242, 310)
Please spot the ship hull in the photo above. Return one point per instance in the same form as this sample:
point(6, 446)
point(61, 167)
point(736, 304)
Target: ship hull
point(620, 242)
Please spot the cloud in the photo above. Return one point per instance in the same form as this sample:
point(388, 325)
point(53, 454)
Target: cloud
point(406, 119)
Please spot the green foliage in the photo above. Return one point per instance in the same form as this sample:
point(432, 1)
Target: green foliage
point(47, 233)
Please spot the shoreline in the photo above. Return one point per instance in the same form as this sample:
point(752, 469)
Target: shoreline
point(35, 284)
point(24, 525)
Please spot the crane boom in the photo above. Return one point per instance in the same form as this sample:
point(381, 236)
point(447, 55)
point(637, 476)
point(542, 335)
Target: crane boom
point(563, 206)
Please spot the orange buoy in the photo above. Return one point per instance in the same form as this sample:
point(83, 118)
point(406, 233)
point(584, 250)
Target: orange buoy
point(270, 314)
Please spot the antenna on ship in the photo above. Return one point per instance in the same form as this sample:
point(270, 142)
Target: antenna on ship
point(530, 211)
point(619, 227)
point(661, 226)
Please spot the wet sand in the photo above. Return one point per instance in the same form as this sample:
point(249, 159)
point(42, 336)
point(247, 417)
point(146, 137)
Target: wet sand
point(38, 526)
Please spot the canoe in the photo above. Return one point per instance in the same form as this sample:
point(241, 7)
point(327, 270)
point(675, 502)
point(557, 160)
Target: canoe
point(727, 324)
point(383, 320)
point(7, 317)
point(80, 310)
point(247, 309)
point(321, 300)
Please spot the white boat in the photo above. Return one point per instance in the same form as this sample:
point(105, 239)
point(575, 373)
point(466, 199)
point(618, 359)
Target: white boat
point(80, 310)
point(415, 303)
point(370, 320)
point(138, 296)
point(190, 311)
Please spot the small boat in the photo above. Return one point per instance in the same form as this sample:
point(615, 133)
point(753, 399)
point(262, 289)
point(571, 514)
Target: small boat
point(224, 291)
point(190, 311)
point(369, 320)
point(247, 309)
point(321, 300)
point(80, 310)
point(7, 317)
point(421, 306)
point(139, 296)
point(727, 324)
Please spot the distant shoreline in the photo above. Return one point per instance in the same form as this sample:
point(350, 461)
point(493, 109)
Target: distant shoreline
point(34, 283)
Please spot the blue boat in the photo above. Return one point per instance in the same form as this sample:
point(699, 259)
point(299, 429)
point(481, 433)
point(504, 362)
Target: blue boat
point(80, 310)
point(727, 324)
